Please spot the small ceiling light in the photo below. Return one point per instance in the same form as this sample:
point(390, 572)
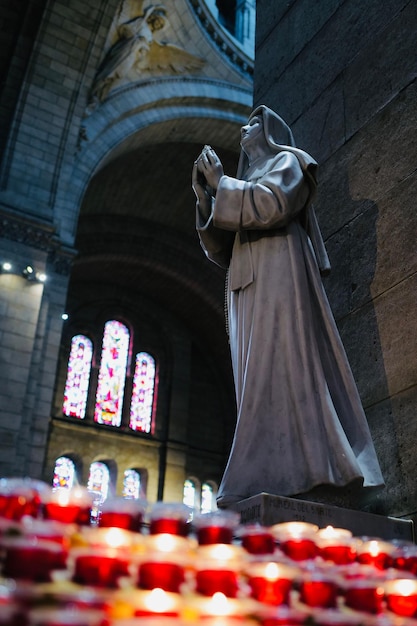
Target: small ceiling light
point(6, 266)
point(64, 316)
point(28, 272)
point(41, 277)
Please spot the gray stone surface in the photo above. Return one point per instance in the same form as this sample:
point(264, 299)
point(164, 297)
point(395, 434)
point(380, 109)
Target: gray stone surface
point(268, 509)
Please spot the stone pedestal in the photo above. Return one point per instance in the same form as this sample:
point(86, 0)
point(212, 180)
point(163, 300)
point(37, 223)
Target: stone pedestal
point(268, 509)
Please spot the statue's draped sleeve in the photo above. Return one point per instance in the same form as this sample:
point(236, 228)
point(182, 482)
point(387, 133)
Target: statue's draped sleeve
point(266, 203)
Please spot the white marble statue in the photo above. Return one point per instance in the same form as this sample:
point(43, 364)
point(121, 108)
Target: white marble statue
point(300, 421)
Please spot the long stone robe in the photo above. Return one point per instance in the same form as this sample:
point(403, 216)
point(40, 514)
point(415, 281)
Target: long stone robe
point(300, 421)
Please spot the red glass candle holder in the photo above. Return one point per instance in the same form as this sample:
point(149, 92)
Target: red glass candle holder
point(217, 569)
point(211, 581)
point(257, 539)
point(162, 562)
point(159, 574)
point(401, 596)
point(171, 518)
point(364, 594)
point(69, 506)
point(216, 527)
point(296, 539)
point(20, 497)
point(270, 582)
point(140, 603)
point(405, 558)
point(117, 538)
point(44, 530)
point(122, 513)
point(377, 553)
point(319, 590)
point(27, 558)
point(336, 545)
point(99, 567)
point(219, 610)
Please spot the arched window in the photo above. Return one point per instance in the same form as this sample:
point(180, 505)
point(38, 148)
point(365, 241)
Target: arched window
point(64, 473)
point(78, 376)
point(143, 393)
point(112, 377)
point(207, 498)
point(98, 481)
point(189, 493)
point(131, 484)
point(112, 374)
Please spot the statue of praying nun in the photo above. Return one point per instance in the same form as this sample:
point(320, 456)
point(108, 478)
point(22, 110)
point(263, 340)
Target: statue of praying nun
point(300, 422)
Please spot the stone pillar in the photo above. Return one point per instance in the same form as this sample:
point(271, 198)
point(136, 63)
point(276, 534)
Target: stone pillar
point(30, 334)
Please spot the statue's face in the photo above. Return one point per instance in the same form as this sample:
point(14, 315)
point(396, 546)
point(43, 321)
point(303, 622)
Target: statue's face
point(252, 130)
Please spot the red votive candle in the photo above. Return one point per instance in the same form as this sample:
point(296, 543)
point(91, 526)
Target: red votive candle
point(216, 527)
point(376, 553)
point(336, 545)
point(401, 596)
point(210, 581)
point(168, 576)
point(163, 561)
point(100, 568)
point(318, 590)
point(364, 594)
point(69, 506)
point(30, 559)
point(219, 610)
point(405, 558)
point(257, 540)
point(217, 568)
point(296, 539)
point(20, 497)
point(140, 603)
point(122, 513)
point(169, 517)
point(271, 583)
point(45, 530)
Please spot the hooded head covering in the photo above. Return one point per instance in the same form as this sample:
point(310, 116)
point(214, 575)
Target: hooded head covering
point(279, 138)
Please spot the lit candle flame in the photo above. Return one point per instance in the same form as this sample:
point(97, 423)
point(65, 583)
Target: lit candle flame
point(115, 538)
point(219, 605)
point(374, 548)
point(158, 601)
point(271, 571)
point(166, 542)
point(63, 497)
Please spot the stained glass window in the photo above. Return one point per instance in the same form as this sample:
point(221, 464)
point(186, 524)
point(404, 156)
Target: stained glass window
point(99, 481)
point(64, 473)
point(189, 493)
point(143, 393)
point(131, 484)
point(111, 377)
point(78, 375)
point(207, 499)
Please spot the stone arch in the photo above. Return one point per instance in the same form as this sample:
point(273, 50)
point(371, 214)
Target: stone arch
point(152, 113)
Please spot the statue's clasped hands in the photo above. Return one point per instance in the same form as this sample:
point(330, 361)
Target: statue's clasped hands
point(208, 169)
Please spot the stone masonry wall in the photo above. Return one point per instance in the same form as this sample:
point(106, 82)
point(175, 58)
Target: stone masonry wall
point(343, 75)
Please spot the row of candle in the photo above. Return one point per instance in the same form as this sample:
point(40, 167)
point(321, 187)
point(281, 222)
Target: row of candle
point(299, 541)
point(186, 570)
point(112, 558)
